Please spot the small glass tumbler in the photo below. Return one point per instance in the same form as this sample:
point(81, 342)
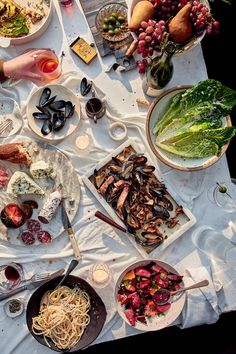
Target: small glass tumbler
point(100, 275)
point(11, 275)
point(66, 3)
point(48, 66)
point(215, 245)
point(222, 195)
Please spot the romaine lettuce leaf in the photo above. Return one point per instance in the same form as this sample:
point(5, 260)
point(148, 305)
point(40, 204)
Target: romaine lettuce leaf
point(206, 93)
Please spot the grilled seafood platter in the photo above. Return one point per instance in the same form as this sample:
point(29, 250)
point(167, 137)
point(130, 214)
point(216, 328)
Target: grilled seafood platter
point(129, 185)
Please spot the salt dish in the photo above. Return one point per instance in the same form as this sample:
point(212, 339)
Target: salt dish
point(14, 308)
point(118, 131)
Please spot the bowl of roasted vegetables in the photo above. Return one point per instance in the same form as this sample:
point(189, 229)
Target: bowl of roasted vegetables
point(137, 295)
point(189, 127)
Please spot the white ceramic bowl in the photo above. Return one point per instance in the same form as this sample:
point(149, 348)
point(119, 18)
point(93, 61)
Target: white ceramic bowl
point(156, 110)
point(192, 43)
point(62, 93)
point(35, 30)
point(156, 322)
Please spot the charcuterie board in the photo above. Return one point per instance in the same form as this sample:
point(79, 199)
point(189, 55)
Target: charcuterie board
point(63, 178)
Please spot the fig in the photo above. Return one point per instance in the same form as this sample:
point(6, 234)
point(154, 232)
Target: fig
point(32, 203)
point(180, 27)
point(12, 216)
point(27, 210)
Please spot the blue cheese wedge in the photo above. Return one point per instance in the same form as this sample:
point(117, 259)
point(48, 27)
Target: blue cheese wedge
point(42, 169)
point(21, 183)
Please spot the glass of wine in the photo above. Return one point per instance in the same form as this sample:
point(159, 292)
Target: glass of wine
point(11, 275)
point(221, 194)
point(48, 66)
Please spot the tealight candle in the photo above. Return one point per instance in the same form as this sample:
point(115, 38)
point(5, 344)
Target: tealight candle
point(100, 275)
point(82, 142)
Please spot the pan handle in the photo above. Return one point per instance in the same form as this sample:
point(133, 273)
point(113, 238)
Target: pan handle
point(109, 221)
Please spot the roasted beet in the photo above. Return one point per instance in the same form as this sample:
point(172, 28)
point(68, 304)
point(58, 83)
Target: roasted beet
point(12, 216)
point(142, 272)
point(129, 313)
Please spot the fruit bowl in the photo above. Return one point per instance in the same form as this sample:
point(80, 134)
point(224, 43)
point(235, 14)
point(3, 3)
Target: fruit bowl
point(111, 22)
point(192, 42)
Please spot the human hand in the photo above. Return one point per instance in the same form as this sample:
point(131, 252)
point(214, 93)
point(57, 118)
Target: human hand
point(21, 67)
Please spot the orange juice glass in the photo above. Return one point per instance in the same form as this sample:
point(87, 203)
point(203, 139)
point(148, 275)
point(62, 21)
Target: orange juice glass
point(48, 66)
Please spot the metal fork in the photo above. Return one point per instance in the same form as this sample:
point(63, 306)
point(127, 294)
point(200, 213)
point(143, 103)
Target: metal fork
point(38, 277)
point(5, 125)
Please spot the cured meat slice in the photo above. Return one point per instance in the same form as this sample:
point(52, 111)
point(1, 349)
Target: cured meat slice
point(28, 238)
point(4, 177)
point(33, 225)
point(50, 206)
point(44, 237)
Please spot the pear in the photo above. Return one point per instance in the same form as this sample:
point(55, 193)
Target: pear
point(143, 11)
point(180, 27)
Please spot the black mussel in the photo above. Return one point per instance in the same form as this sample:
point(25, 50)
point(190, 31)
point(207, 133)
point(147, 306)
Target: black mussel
point(47, 103)
point(43, 109)
point(126, 171)
point(138, 159)
point(57, 105)
point(145, 170)
point(85, 86)
point(58, 121)
point(46, 128)
point(165, 203)
point(40, 115)
point(160, 212)
point(44, 96)
point(69, 109)
point(157, 192)
point(117, 161)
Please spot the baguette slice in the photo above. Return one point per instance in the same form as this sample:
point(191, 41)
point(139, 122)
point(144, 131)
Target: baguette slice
point(15, 153)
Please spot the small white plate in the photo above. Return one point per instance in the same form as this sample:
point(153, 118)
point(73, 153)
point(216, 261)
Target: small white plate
point(62, 93)
point(9, 109)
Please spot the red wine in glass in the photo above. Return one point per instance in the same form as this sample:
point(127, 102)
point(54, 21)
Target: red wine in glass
point(11, 275)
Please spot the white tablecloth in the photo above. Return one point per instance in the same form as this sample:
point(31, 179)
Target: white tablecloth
point(97, 240)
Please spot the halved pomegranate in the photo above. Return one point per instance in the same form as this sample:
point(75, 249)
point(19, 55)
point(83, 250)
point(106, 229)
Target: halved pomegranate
point(12, 216)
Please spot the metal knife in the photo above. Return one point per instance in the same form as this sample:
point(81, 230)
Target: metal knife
point(31, 285)
point(69, 230)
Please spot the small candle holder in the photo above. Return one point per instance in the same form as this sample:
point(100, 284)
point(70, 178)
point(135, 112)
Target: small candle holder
point(100, 275)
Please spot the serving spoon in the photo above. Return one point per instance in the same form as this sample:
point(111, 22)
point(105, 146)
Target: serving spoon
point(162, 296)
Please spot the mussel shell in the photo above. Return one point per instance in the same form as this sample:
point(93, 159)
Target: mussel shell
point(69, 109)
point(43, 110)
point(85, 87)
point(46, 128)
point(160, 212)
point(145, 170)
point(57, 105)
point(117, 161)
point(40, 115)
point(45, 96)
point(47, 103)
point(58, 121)
point(138, 159)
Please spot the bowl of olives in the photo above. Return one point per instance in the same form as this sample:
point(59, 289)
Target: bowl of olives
point(111, 21)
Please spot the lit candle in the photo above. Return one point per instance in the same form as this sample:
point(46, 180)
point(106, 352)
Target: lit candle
point(100, 274)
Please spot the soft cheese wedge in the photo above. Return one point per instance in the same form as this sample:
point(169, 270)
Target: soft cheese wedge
point(42, 169)
point(21, 183)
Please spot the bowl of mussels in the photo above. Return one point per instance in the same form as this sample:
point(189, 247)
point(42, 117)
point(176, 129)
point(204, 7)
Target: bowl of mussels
point(53, 112)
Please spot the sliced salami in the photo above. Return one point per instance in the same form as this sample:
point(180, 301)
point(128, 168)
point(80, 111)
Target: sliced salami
point(28, 238)
point(44, 237)
point(33, 225)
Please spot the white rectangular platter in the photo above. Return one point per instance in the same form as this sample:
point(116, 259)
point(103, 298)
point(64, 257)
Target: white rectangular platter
point(185, 219)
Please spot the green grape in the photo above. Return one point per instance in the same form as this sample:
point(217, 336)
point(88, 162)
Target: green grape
point(121, 19)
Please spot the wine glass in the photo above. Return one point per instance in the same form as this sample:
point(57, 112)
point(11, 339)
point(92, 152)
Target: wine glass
point(11, 275)
point(221, 194)
point(48, 66)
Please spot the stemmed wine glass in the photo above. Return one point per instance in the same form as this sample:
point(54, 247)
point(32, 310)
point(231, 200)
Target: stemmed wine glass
point(221, 194)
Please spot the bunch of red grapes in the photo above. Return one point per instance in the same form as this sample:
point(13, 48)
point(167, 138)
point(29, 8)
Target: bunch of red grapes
point(150, 35)
point(203, 20)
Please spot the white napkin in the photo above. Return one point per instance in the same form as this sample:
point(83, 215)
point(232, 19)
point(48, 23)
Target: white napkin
point(201, 305)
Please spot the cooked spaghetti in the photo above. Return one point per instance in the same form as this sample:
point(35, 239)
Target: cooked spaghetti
point(64, 318)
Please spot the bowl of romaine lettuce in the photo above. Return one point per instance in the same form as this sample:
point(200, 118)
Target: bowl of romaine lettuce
point(189, 127)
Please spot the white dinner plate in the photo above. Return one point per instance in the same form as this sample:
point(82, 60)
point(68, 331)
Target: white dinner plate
point(62, 93)
point(156, 110)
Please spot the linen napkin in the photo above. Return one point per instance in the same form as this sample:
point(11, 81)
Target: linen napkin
point(201, 304)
